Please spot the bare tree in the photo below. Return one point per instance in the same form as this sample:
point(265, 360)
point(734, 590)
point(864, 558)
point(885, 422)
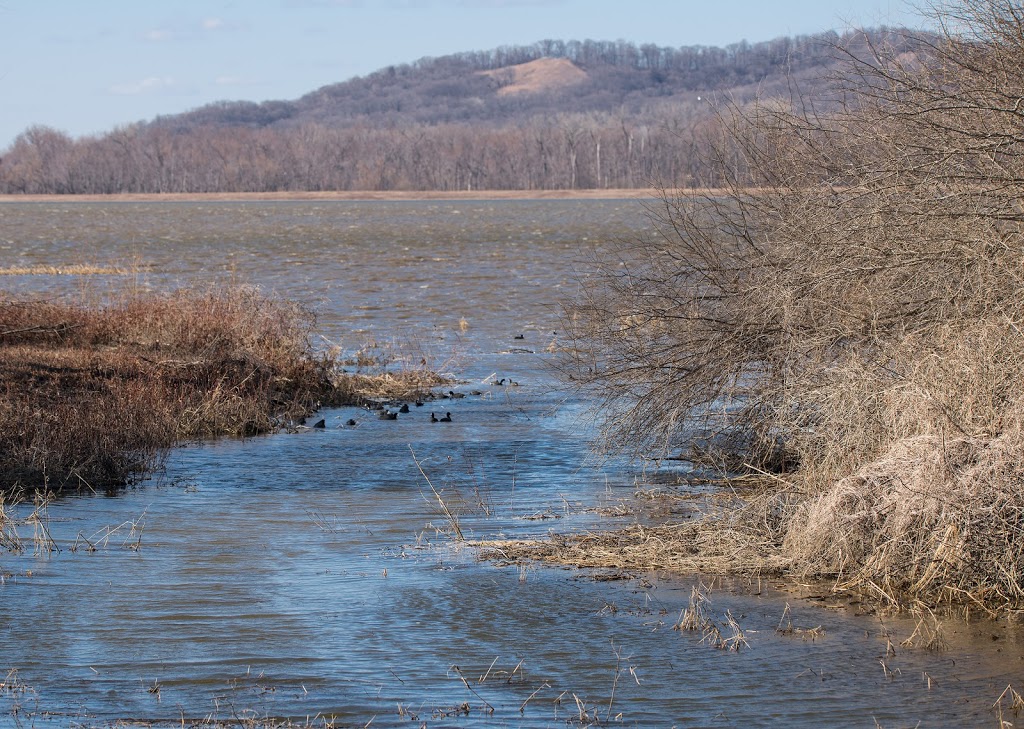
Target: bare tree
point(848, 283)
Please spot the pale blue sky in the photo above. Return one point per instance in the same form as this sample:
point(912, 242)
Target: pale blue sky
point(87, 66)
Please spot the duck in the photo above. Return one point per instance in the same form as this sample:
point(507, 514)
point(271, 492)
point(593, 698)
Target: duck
point(350, 422)
point(404, 408)
point(388, 415)
point(320, 423)
point(455, 395)
point(447, 418)
point(433, 418)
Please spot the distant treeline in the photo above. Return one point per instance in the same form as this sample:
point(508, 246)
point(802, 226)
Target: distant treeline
point(439, 124)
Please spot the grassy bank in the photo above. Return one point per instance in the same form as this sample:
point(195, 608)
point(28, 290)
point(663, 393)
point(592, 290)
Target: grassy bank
point(846, 316)
point(93, 395)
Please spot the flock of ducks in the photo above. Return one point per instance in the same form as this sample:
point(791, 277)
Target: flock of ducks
point(385, 412)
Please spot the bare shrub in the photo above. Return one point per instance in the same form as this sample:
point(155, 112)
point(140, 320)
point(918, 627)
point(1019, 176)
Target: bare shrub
point(850, 303)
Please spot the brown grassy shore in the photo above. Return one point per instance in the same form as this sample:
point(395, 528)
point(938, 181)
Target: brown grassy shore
point(354, 195)
point(93, 395)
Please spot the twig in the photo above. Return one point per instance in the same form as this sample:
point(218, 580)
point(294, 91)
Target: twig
point(452, 519)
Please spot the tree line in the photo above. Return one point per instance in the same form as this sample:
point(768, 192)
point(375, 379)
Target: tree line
point(553, 153)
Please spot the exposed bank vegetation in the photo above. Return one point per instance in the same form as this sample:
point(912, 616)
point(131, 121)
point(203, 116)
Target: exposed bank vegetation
point(94, 395)
point(849, 316)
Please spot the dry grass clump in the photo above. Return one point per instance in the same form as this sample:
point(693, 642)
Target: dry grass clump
point(94, 394)
point(404, 384)
point(940, 520)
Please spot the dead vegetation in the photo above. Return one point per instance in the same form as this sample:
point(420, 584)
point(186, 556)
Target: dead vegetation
point(540, 75)
point(94, 394)
point(847, 316)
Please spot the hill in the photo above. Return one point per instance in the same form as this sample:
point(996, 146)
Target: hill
point(552, 115)
point(512, 83)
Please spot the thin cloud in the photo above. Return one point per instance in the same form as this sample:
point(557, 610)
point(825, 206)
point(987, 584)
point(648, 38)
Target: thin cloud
point(150, 85)
point(230, 81)
point(509, 3)
point(420, 4)
point(190, 30)
point(324, 3)
point(158, 35)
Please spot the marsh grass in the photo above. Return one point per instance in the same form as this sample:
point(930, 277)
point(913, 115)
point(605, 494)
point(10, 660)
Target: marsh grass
point(95, 392)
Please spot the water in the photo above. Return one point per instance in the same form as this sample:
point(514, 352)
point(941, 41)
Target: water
point(312, 574)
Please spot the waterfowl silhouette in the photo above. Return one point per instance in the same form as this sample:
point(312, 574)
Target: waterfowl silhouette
point(320, 424)
point(388, 415)
point(404, 408)
point(447, 418)
point(455, 395)
point(350, 422)
point(433, 418)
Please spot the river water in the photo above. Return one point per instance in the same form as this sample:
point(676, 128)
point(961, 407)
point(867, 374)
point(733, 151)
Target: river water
point(312, 576)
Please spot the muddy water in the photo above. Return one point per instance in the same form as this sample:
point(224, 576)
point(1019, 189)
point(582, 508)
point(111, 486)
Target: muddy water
point(311, 574)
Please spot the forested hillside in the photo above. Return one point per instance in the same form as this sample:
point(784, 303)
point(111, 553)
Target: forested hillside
point(552, 115)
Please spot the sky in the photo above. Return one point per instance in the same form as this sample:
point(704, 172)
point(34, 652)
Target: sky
point(86, 67)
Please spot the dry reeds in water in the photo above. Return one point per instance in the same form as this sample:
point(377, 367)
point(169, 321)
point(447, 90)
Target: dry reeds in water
point(786, 627)
point(927, 633)
point(695, 615)
point(1009, 700)
point(732, 537)
point(449, 515)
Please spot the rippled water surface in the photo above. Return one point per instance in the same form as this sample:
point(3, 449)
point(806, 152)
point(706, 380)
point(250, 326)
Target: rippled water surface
point(311, 574)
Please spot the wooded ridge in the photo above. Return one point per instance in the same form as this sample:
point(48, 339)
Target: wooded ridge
point(552, 115)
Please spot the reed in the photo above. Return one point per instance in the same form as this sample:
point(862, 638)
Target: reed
point(450, 516)
point(1010, 700)
point(695, 615)
point(928, 633)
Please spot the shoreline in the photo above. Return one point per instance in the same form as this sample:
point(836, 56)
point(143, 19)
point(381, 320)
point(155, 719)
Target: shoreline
point(347, 195)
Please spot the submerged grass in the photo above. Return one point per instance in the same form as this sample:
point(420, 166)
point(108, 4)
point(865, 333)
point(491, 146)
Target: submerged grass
point(94, 394)
point(934, 522)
